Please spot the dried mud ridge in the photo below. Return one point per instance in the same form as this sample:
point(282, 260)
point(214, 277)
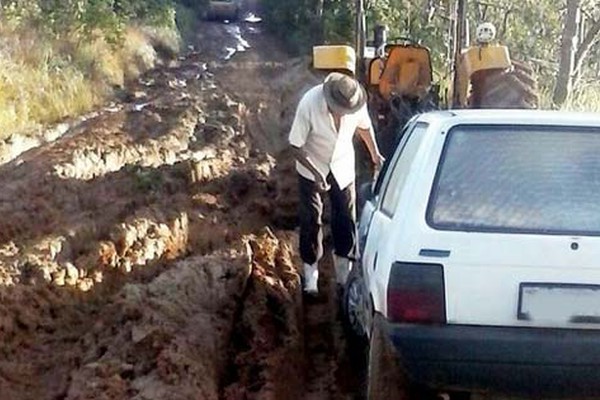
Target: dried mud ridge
point(143, 256)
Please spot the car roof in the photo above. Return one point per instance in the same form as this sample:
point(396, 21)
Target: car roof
point(512, 117)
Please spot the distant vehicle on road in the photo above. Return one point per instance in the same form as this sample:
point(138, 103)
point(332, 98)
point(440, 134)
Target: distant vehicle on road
point(480, 266)
point(224, 9)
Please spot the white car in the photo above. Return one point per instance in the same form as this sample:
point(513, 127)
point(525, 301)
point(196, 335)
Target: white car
point(480, 266)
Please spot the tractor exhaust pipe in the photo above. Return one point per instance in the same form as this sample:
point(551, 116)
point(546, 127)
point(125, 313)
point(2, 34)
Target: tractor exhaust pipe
point(361, 34)
point(380, 40)
point(460, 37)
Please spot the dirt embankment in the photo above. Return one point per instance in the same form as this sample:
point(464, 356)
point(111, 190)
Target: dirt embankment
point(142, 254)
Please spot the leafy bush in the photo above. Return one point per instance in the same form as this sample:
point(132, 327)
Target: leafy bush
point(87, 18)
point(60, 58)
point(302, 25)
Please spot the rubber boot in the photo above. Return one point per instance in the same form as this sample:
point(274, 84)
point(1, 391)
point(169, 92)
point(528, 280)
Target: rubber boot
point(311, 279)
point(342, 269)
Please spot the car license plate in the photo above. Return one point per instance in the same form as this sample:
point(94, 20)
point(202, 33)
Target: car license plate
point(562, 303)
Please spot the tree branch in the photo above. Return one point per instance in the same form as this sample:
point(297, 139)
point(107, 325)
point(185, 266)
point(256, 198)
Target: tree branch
point(582, 51)
point(564, 77)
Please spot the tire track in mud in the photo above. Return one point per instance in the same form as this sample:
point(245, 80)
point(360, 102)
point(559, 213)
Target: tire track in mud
point(63, 332)
point(335, 367)
point(321, 346)
point(270, 85)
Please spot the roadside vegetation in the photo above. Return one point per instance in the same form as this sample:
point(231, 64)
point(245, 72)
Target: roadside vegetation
point(60, 58)
point(558, 38)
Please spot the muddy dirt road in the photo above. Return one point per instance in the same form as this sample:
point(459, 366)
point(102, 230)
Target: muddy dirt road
point(149, 252)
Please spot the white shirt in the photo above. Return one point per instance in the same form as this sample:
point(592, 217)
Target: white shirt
point(314, 131)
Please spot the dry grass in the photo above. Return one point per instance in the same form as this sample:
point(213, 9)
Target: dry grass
point(44, 81)
point(585, 98)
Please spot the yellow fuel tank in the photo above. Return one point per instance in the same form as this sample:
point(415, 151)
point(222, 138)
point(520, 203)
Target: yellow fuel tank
point(334, 57)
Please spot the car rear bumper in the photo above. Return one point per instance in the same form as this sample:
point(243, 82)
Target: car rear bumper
point(548, 362)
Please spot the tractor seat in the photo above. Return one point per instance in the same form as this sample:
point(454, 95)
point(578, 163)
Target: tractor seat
point(407, 73)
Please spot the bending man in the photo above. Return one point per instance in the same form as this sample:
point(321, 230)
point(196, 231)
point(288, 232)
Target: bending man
point(327, 118)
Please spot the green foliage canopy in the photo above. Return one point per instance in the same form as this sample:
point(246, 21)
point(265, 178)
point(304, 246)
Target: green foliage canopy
point(531, 29)
point(85, 18)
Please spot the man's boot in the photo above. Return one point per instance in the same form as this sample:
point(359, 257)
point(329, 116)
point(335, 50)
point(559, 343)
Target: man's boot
point(311, 278)
point(342, 269)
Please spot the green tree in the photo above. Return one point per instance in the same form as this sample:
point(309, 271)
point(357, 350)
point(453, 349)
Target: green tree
point(580, 34)
point(86, 17)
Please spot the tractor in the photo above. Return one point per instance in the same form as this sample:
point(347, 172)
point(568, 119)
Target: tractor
point(398, 74)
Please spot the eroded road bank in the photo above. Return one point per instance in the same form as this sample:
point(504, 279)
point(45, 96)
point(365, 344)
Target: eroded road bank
point(147, 252)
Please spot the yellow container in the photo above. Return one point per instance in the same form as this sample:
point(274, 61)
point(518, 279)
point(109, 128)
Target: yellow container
point(334, 57)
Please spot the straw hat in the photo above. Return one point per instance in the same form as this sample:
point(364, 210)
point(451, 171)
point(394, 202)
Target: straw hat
point(343, 94)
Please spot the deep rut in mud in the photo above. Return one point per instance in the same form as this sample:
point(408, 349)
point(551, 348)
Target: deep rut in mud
point(149, 253)
point(272, 84)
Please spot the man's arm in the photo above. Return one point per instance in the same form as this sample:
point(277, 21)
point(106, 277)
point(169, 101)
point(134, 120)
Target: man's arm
point(367, 134)
point(299, 132)
point(303, 158)
point(368, 138)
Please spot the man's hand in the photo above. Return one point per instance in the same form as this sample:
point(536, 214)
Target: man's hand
point(378, 162)
point(368, 137)
point(321, 182)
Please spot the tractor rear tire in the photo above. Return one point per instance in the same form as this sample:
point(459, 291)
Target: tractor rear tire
point(513, 88)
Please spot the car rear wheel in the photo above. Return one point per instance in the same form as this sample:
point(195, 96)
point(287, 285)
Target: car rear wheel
point(353, 304)
point(386, 377)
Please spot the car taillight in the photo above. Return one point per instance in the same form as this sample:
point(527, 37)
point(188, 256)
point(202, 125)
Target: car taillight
point(416, 293)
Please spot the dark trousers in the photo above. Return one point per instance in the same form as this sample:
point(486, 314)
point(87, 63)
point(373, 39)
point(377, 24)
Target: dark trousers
point(343, 220)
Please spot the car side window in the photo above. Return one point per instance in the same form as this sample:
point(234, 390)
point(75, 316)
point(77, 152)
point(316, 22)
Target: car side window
point(384, 175)
point(401, 168)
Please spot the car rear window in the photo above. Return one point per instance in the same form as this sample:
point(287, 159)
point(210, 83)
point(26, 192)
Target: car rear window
point(518, 179)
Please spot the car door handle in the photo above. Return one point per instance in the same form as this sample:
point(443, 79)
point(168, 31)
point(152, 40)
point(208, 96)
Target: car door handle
point(375, 261)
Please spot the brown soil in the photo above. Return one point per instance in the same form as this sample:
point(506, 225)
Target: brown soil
point(147, 253)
